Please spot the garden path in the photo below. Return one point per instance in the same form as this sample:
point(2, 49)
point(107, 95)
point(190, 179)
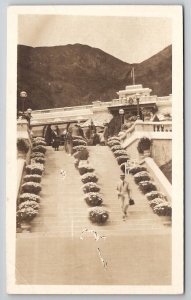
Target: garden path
point(137, 251)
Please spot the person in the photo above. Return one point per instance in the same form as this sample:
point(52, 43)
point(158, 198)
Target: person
point(156, 119)
point(69, 142)
point(123, 195)
point(81, 132)
point(57, 130)
point(106, 134)
point(47, 134)
point(95, 138)
point(55, 140)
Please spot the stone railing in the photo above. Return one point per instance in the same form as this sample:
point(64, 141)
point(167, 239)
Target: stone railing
point(148, 126)
point(163, 126)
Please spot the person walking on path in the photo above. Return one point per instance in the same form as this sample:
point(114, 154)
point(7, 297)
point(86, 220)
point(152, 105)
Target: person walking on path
point(56, 140)
point(123, 195)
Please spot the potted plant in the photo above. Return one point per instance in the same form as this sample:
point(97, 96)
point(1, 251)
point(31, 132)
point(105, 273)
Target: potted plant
point(78, 148)
point(98, 215)
point(79, 142)
point(137, 169)
point(25, 214)
point(85, 168)
point(93, 199)
point(116, 147)
point(90, 187)
point(141, 176)
point(144, 146)
point(22, 147)
point(37, 154)
point(31, 187)
point(155, 194)
point(89, 177)
point(35, 169)
point(29, 196)
point(147, 186)
point(39, 148)
point(32, 178)
point(122, 159)
point(118, 153)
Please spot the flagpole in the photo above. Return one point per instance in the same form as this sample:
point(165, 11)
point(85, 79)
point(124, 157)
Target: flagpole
point(133, 76)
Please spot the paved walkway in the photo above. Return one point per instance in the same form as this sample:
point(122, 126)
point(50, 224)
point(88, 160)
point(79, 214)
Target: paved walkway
point(137, 251)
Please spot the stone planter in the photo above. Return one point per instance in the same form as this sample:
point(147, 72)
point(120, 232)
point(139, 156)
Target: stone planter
point(147, 153)
point(25, 227)
point(167, 220)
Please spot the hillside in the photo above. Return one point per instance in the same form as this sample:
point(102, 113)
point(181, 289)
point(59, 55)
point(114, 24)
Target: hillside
point(79, 74)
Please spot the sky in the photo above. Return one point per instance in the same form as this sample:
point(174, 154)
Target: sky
point(131, 39)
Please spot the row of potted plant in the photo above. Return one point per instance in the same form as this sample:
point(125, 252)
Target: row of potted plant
point(28, 204)
point(157, 200)
point(90, 187)
point(119, 153)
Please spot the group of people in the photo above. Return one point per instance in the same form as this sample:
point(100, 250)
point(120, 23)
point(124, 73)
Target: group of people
point(54, 137)
point(94, 138)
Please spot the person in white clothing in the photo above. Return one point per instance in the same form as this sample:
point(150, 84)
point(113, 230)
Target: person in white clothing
point(123, 195)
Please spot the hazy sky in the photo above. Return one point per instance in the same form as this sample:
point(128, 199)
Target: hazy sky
point(130, 39)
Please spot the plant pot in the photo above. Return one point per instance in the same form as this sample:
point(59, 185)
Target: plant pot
point(25, 227)
point(167, 220)
point(147, 153)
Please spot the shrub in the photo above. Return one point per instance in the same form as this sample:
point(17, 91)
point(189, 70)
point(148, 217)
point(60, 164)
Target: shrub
point(98, 215)
point(28, 196)
point(39, 143)
point(163, 209)
point(141, 176)
point(91, 187)
point(37, 154)
point(77, 137)
point(89, 177)
point(113, 143)
point(85, 169)
point(35, 169)
point(122, 159)
point(82, 154)
point(28, 203)
point(147, 186)
point(143, 144)
point(31, 187)
point(33, 178)
point(155, 202)
point(38, 138)
point(39, 160)
point(79, 142)
point(154, 194)
point(26, 213)
point(116, 147)
point(120, 153)
point(78, 148)
point(113, 138)
point(39, 148)
point(93, 199)
point(23, 145)
point(136, 169)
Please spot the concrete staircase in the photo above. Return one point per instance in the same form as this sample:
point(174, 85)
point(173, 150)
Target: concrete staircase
point(138, 251)
point(63, 210)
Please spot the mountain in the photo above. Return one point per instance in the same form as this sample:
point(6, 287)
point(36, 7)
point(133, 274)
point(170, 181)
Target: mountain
point(79, 74)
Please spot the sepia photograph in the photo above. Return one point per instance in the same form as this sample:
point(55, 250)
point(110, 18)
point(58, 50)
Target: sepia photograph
point(95, 150)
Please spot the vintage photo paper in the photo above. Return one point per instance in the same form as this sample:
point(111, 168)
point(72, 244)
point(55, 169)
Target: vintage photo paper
point(94, 150)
